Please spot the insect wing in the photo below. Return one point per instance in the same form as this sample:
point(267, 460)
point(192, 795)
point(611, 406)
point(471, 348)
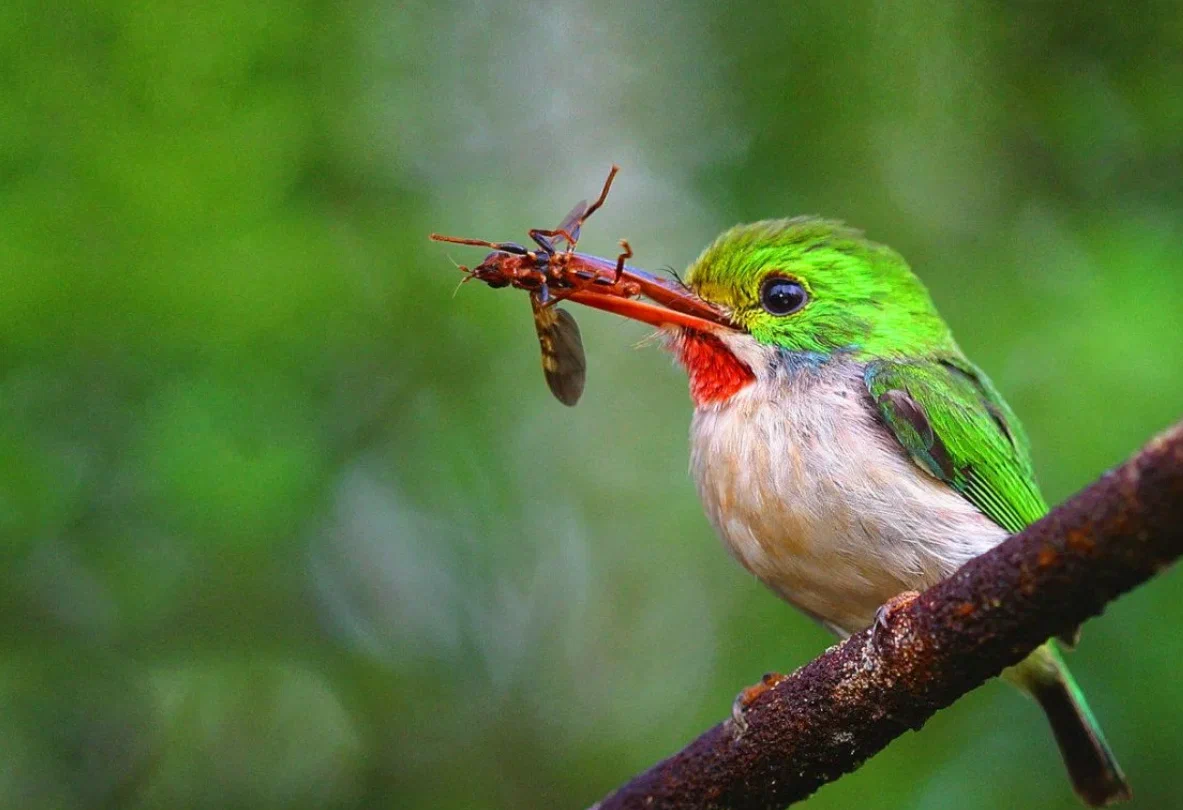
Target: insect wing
point(572, 223)
point(563, 362)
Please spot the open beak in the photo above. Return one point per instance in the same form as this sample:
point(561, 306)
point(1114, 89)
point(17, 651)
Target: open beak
point(673, 304)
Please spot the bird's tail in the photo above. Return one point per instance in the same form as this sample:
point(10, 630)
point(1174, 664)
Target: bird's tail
point(1095, 774)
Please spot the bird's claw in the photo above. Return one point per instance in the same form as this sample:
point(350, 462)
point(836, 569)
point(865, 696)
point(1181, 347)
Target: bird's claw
point(747, 697)
point(884, 613)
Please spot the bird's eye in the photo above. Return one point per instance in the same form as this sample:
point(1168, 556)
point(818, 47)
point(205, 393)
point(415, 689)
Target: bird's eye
point(782, 296)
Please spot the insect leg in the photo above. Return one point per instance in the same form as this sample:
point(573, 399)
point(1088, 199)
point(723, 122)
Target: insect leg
point(571, 225)
point(504, 247)
point(591, 209)
point(626, 254)
point(541, 239)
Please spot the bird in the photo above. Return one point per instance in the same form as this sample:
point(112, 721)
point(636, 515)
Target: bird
point(844, 448)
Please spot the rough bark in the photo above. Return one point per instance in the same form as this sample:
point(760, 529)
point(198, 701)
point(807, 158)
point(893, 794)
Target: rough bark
point(828, 717)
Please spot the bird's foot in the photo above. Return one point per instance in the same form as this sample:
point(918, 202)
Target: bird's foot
point(884, 613)
point(747, 697)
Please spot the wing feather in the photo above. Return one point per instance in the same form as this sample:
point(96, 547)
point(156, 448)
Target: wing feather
point(947, 415)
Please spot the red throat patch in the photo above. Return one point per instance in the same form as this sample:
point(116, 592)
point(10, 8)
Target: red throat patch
point(715, 373)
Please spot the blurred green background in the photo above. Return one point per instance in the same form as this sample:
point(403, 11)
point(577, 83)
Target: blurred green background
point(288, 524)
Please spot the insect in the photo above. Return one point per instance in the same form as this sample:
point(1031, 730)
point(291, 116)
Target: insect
point(551, 274)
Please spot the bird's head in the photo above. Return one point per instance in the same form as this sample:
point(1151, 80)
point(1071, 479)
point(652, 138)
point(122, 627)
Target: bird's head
point(777, 294)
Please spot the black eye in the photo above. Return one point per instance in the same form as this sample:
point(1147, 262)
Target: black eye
point(782, 296)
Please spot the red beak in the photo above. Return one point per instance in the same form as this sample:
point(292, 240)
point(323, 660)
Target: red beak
point(674, 304)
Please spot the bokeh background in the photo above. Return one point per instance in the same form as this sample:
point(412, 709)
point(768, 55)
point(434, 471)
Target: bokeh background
point(288, 523)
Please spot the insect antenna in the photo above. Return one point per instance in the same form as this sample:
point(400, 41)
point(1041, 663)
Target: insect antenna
point(463, 281)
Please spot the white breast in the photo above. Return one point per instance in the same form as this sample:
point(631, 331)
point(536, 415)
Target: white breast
point(815, 497)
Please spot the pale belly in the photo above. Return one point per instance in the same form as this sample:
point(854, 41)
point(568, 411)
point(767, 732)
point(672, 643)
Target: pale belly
point(812, 494)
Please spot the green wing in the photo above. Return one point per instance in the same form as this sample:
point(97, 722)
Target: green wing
point(953, 423)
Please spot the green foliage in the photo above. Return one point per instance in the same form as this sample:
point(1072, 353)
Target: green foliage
point(286, 524)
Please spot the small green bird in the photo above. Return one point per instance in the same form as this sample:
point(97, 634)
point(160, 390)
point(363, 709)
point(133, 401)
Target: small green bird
point(845, 449)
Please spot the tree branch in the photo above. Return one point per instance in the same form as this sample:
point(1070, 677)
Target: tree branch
point(828, 717)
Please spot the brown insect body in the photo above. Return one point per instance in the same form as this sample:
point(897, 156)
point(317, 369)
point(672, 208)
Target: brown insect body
point(552, 274)
point(561, 271)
